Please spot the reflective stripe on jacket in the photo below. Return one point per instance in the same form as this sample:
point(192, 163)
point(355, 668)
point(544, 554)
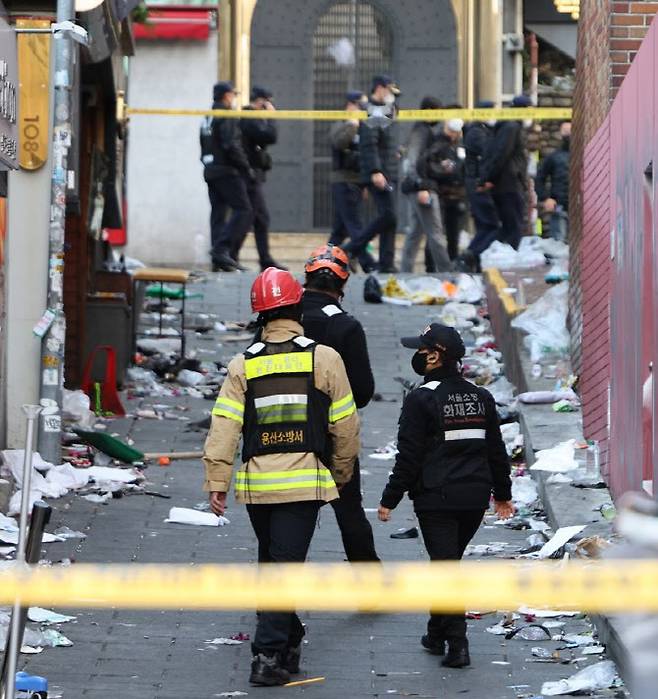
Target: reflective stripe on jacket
point(282, 477)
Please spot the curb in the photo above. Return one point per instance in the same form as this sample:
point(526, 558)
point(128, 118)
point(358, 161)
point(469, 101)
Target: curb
point(542, 428)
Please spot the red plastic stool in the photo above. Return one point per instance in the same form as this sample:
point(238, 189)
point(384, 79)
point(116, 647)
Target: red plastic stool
point(110, 401)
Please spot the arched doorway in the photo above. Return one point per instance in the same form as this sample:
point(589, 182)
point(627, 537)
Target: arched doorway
point(414, 40)
point(352, 41)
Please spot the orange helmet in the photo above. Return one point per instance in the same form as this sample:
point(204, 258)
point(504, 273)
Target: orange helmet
point(329, 257)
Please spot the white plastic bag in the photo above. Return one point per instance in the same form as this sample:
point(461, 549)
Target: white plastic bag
point(545, 321)
point(599, 676)
point(76, 407)
point(558, 459)
point(504, 256)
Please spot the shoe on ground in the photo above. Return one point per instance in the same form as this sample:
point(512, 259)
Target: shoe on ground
point(291, 659)
point(272, 263)
point(406, 534)
point(467, 262)
point(224, 263)
point(267, 671)
point(392, 269)
point(457, 655)
point(434, 646)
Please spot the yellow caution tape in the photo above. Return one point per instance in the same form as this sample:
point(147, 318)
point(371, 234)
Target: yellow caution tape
point(605, 586)
point(537, 114)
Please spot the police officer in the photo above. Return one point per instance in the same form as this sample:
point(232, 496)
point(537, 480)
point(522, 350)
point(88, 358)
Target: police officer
point(346, 187)
point(451, 458)
point(290, 400)
point(225, 169)
point(257, 135)
point(326, 322)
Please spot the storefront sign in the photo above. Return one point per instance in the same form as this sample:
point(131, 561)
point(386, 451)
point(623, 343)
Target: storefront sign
point(8, 80)
point(34, 100)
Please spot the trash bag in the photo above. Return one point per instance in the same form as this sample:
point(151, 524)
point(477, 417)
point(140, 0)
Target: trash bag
point(599, 676)
point(372, 290)
point(545, 321)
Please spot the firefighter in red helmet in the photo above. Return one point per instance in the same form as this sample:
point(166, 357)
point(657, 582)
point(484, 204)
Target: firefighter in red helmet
point(325, 321)
point(289, 399)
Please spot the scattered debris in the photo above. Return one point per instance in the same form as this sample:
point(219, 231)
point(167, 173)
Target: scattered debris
point(186, 515)
point(599, 676)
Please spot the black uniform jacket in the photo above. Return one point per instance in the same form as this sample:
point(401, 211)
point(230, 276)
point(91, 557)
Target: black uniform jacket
point(451, 453)
point(328, 324)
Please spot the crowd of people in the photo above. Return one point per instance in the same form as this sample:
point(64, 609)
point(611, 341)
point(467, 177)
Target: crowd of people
point(443, 171)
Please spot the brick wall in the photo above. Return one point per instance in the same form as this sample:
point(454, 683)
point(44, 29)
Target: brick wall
point(609, 35)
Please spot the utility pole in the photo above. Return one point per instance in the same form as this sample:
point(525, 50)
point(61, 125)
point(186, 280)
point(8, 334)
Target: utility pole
point(52, 344)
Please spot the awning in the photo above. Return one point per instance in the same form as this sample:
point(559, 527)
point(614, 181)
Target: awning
point(175, 24)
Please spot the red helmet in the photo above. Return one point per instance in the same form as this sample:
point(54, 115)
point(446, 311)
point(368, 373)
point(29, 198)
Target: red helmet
point(274, 288)
point(329, 257)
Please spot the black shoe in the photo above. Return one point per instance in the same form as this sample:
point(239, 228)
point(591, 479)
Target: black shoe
point(457, 654)
point(435, 646)
point(406, 534)
point(272, 263)
point(224, 263)
point(267, 671)
point(391, 269)
point(291, 659)
point(467, 262)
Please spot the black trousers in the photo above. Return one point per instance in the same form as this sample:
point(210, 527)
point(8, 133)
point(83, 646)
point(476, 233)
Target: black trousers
point(228, 192)
point(511, 212)
point(452, 216)
point(347, 219)
point(355, 529)
point(284, 532)
point(261, 225)
point(485, 217)
point(383, 225)
point(446, 535)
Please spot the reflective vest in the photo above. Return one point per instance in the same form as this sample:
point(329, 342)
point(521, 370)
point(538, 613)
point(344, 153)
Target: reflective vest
point(284, 412)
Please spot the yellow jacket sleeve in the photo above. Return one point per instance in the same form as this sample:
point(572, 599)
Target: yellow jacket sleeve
point(225, 429)
point(344, 427)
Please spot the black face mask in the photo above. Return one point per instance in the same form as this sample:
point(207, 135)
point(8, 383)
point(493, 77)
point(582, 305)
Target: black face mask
point(419, 363)
point(566, 141)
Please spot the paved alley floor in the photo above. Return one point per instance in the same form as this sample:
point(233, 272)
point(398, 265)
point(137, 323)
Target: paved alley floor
point(152, 655)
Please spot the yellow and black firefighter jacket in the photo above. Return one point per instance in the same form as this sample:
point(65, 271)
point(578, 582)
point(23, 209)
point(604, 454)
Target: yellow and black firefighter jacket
point(291, 402)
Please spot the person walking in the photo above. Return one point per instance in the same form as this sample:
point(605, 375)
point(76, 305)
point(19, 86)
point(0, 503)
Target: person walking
point(451, 457)
point(257, 135)
point(225, 170)
point(421, 191)
point(346, 187)
point(554, 197)
point(477, 135)
point(325, 321)
point(290, 400)
point(377, 149)
point(503, 174)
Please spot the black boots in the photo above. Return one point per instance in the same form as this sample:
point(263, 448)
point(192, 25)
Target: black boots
point(268, 671)
point(457, 654)
point(291, 658)
point(435, 646)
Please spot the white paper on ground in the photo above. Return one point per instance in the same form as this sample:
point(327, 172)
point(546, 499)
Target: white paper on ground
point(558, 459)
point(545, 613)
point(593, 650)
point(117, 475)
point(12, 538)
point(560, 538)
point(224, 642)
point(186, 515)
point(47, 616)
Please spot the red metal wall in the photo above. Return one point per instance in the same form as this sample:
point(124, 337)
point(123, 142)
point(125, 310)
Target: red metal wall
point(619, 259)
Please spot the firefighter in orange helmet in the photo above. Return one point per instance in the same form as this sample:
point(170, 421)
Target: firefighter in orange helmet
point(325, 321)
point(289, 399)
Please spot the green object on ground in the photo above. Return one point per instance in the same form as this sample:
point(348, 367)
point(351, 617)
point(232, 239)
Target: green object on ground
point(111, 446)
point(168, 292)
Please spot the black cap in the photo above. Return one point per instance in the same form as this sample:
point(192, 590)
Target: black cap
point(437, 336)
point(258, 91)
point(221, 88)
point(354, 96)
point(522, 101)
point(385, 81)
